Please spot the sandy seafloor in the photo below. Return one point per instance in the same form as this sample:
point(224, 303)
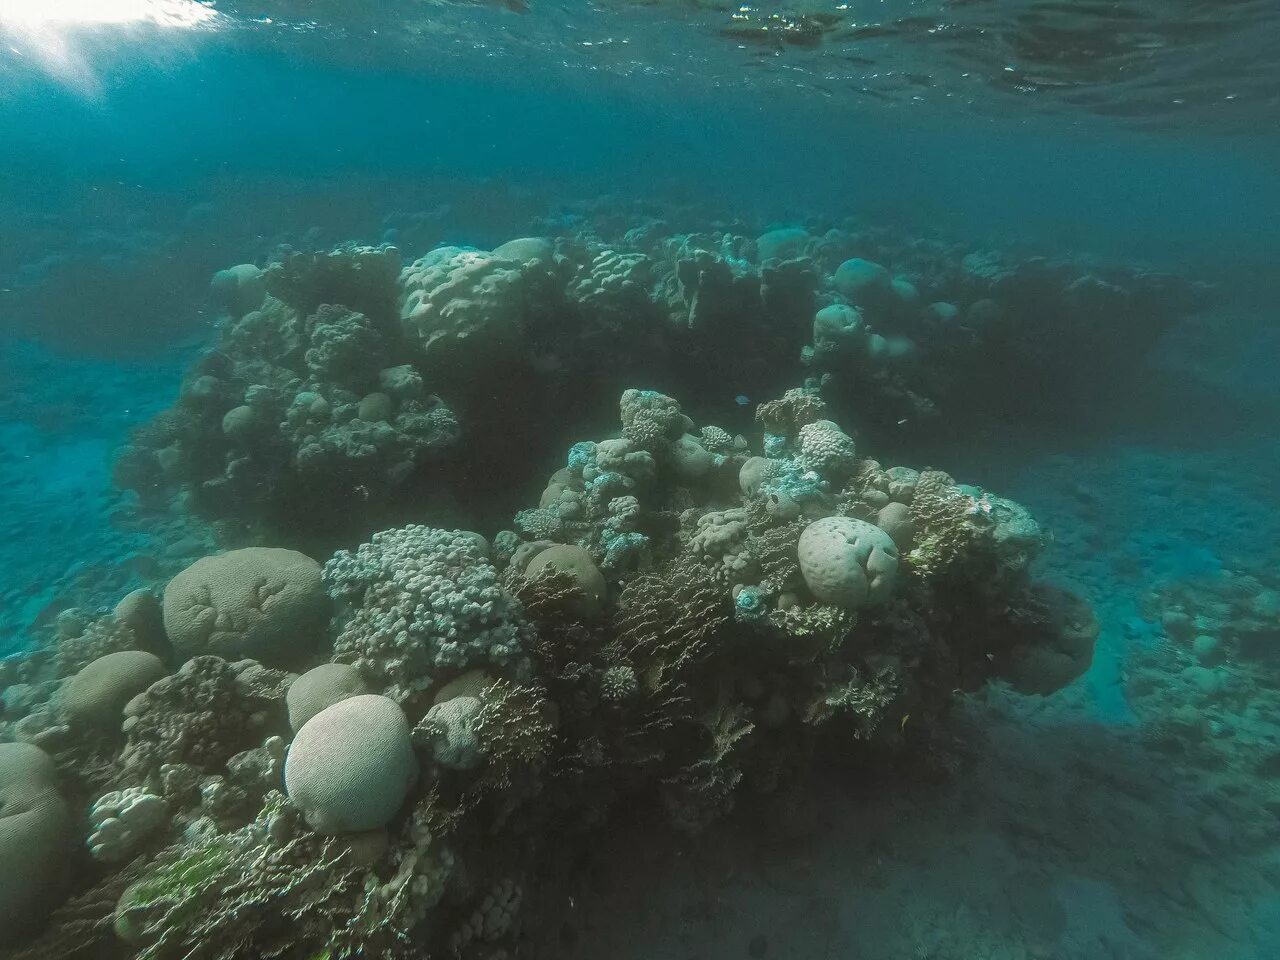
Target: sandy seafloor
point(1061, 835)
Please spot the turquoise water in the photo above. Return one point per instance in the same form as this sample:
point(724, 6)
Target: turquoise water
point(1048, 234)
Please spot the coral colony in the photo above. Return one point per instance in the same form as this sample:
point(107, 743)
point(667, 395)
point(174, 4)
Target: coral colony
point(350, 732)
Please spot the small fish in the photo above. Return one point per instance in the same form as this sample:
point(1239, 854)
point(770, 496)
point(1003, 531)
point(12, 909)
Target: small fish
point(903, 725)
point(742, 400)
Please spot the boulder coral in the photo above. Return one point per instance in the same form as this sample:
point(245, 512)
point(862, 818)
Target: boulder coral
point(463, 308)
point(351, 765)
point(848, 562)
point(95, 698)
point(261, 602)
point(35, 839)
point(576, 561)
point(319, 688)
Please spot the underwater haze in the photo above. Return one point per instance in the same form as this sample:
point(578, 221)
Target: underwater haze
point(496, 479)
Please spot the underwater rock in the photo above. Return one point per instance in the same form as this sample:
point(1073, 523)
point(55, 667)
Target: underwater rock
point(261, 602)
point(351, 765)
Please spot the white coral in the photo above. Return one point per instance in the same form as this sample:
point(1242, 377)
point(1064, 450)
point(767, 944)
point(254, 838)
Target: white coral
point(122, 820)
point(463, 305)
point(429, 600)
point(826, 449)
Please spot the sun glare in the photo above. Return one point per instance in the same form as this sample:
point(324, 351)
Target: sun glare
point(43, 14)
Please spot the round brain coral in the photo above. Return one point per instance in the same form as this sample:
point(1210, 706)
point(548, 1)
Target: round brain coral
point(576, 561)
point(95, 697)
point(321, 687)
point(351, 765)
point(864, 283)
point(264, 603)
point(35, 838)
point(847, 562)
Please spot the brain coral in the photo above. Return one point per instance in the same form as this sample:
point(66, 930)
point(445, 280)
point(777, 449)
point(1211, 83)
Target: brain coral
point(319, 688)
point(864, 283)
point(95, 697)
point(260, 602)
point(35, 838)
point(351, 765)
point(577, 562)
point(847, 562)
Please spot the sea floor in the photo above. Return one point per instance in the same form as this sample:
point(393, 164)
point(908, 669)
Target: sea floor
point(1075, 826)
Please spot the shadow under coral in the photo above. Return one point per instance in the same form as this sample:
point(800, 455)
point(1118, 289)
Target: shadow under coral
point(1055, 838)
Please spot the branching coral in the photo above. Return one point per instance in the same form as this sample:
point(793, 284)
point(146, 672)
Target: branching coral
point(945, 535)
point(860, 701)
point(667, 621)
point(202, 715)
point(426, 602)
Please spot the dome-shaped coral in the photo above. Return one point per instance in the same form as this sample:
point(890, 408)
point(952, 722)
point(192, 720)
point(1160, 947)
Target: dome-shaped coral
point(95, 697)
point(463, 306)
point(576, 561)
point(864, 283)
point(260, 602)
point(351, 765)
point(321, 687)
point(35, 835)
point(826, 449)
point(847, 562)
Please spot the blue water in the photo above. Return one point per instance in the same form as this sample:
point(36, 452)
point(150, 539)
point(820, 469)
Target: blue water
point(136, 162)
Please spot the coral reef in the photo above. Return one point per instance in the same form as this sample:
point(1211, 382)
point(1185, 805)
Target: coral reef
point(688, 617)
point(340, 397)
point(259, 602)
point(300, 404)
